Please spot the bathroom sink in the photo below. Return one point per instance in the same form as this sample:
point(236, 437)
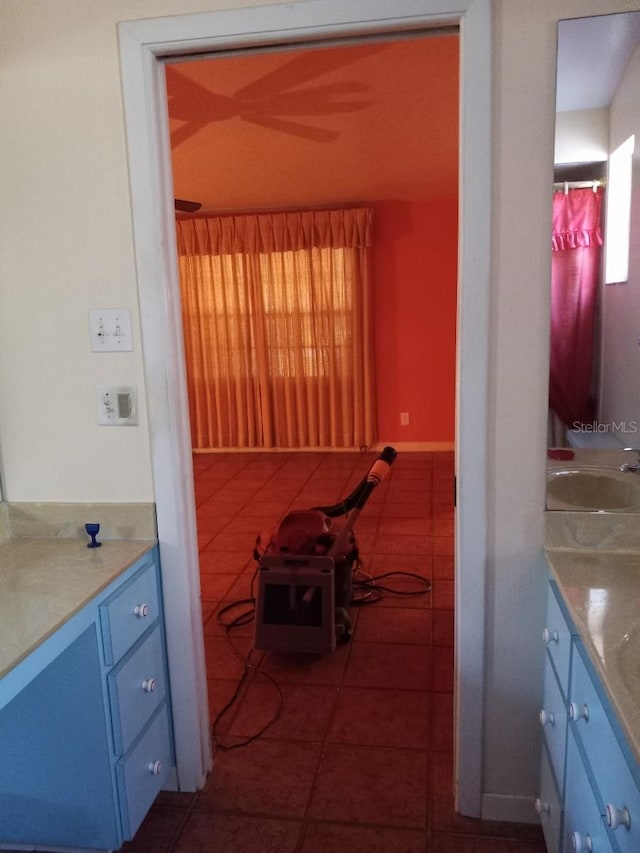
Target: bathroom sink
point(593, 489)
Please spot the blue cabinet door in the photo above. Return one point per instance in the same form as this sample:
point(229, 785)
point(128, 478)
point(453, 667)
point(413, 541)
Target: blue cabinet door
point(56, 783)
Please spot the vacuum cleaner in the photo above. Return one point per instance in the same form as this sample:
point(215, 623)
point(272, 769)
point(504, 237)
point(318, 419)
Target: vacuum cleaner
point(305, 572)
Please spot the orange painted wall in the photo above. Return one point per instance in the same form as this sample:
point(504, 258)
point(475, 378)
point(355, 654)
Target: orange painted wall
point(414, 281)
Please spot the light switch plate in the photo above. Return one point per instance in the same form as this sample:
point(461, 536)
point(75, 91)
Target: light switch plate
point(110, 330)
point(117, 405)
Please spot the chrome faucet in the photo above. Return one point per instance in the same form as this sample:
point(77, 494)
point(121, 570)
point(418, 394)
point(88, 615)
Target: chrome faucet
point(627, 467)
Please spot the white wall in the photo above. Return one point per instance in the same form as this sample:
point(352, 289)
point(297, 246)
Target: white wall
point(621, 302)
point(67, 247)
point(524, 113)
point(581, 136)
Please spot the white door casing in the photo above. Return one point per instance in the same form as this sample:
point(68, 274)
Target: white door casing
point(144, 44)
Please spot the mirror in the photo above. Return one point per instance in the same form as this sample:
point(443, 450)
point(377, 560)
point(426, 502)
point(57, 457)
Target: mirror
point(594, 395)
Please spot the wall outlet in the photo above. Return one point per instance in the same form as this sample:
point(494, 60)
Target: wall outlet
point(404, 418)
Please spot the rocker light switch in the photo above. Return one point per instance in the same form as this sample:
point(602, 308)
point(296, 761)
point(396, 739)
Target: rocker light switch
point(117, 405)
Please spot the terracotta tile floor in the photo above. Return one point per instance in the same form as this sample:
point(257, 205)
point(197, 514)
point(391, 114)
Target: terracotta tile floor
point(360, 758)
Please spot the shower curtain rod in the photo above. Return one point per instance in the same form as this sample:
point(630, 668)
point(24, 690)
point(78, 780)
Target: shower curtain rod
point(574, 185)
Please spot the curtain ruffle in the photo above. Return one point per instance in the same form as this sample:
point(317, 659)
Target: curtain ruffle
point(576, 219)
point(576, 240)
point(275, 232)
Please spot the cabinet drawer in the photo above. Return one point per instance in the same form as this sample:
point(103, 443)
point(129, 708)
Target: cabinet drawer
point(553, 717)
point(582, 816)
point(557, 639)
point(144, 772)
point(126, 615)
point(548, 806)
point(137, 687)
point(612, 777)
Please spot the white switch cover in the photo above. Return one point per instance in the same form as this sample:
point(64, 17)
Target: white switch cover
point(110, 330)
point(117, 405)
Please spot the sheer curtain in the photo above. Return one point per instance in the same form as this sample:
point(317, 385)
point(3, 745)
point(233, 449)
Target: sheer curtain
point(575, 271)
point(277, 321)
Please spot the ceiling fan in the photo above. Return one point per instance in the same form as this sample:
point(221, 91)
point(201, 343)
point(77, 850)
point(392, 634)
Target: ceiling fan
point(267, 100)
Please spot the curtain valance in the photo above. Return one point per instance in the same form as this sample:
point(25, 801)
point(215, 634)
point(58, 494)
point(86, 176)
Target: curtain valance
point(576, 219)
point(275, 232)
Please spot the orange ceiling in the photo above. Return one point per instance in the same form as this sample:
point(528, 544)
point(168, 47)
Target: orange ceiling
point(366, 122)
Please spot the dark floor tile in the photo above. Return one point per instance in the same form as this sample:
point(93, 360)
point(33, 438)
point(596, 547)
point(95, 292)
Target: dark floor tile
point(443, 595)
point(226, 660)
point(305, 710)
point(371, 785)
point(390, 665)
point(335, 837)
point(205, 832)
point(158, 830)
point(375, 717)
point(401, 544)
point(444, 843)
point(220, 692)
point(266, 777)
point(442, 669)
point(394, 625)
point(442, 722)
point(307, 669)
point(442, 627)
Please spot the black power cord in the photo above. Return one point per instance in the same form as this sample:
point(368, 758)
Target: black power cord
point(366, 590)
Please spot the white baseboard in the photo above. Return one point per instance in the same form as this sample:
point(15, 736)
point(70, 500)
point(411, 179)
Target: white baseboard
point(507, 807)
point(422, 446)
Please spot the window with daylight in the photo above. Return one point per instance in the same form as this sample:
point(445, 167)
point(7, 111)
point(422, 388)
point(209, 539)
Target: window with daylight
point(618, 221)
point(277, 323)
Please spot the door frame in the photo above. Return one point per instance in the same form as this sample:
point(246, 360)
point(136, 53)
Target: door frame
point(144, 46)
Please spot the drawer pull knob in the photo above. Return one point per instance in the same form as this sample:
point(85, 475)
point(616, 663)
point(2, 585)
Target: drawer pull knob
point(618, 817)
point(149, 685)
point(549, 636)
point(578, 712)
point(547, 718)
point(155, 768)
point(580, 843)
point(141, 611)
point(542, 807)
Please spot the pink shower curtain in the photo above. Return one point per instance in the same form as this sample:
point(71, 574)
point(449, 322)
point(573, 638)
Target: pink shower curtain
point(575, 269)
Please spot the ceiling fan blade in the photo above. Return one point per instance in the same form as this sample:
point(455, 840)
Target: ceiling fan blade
point(186, 206)
point(314, 100)
point(316, 134)
point(186, 131)
point(300, 69)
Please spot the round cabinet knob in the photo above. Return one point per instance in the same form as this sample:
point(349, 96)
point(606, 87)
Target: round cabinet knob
point(141, 611)
point(617, 817)
point(578, 712)
point(149, 685)
point(547, 718)
point(549, 636)
point(541, 806)
point(155, 768)
point(580, 843)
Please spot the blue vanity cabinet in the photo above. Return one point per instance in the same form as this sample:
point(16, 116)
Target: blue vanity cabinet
point(556, 636)
point(86, 745)
point(590, 781)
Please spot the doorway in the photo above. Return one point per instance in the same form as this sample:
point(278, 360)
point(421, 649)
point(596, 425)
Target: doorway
point(143, 45)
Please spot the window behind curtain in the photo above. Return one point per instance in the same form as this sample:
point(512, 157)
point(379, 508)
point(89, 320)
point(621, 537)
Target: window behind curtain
point(277, 326)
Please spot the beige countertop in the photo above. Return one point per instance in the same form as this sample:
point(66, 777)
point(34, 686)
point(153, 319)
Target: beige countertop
point(44, 582)
point(601, 590)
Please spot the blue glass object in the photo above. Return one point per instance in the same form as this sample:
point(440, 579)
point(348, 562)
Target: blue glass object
point(92, 530)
